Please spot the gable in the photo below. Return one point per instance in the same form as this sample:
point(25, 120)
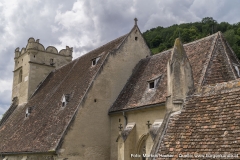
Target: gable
point(136, 93)
point(211, 59)
point(43, 129)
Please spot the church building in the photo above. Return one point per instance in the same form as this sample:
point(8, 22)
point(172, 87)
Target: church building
point(120, 102)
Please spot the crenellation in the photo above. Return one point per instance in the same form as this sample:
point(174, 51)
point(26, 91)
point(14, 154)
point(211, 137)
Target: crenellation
point(23, 50)
point(67, 52)
point(17, 53)
point(35, 45)
point(51, 49)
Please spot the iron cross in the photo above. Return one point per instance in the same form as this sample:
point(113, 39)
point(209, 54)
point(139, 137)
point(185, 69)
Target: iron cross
point(148, 124)
point(120, 127)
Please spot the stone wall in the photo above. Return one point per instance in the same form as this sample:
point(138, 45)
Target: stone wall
point(89, 135)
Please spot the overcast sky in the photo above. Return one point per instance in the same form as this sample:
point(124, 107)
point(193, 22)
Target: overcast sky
point(87, 24)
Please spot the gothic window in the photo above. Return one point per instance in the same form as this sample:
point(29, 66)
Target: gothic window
point(20, 76)
point(95, 60)
point(141, 147)
point(143, 150)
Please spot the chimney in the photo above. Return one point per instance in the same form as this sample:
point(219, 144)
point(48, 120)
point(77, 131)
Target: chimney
point(180, 79)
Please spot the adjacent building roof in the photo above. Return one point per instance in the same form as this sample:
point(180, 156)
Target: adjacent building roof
point(208, 125)
point(39, 125)
point(212, 61)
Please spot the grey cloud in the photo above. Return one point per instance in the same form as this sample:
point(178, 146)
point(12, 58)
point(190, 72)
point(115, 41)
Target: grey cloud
point(87, 24)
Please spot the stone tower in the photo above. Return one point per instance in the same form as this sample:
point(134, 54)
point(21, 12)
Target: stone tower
point(33, 64)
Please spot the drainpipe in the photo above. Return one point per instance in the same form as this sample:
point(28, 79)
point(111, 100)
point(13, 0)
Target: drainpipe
point(125, 118)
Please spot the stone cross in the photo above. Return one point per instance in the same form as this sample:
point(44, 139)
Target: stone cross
point(135, 19)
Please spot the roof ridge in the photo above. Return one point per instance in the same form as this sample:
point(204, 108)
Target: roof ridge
point(228, 58)
point(205, 66)
point(215, 34)
point(196, 41)
point(233, 53)
point(103, 45)
point(91, 52)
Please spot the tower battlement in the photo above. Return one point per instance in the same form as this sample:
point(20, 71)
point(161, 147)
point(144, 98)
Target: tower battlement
point(37, 46)
point(33, 63)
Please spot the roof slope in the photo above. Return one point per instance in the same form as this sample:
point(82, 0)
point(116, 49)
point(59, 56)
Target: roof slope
point(43, 129)
point(220, 67)
point(208, 124)
point(200, 53)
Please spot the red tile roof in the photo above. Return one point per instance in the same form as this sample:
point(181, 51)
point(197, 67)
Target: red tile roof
point(207, 58)
point(43, 129)
point(208, 124)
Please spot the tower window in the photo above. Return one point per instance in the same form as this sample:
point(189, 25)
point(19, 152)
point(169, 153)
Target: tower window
point(95, 60)
point(20, 76)
point(136, 38)
point(51, 62)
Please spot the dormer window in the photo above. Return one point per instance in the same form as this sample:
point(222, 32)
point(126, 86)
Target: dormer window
point(65, 99)
point(95, 60)
point(28, 111)
point(152, 83)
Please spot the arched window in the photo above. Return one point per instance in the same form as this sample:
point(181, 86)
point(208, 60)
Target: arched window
point(142, 150)
point(20, 76)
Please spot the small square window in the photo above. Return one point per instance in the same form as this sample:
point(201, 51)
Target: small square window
point(136, 38)
point(151, 85)
point(94, 62)
point(65, 99)
point(51, 62)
